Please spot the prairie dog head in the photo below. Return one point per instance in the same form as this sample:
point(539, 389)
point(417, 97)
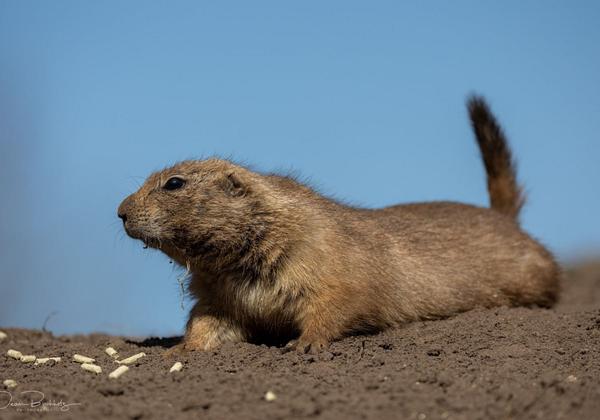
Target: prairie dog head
point(196, 209)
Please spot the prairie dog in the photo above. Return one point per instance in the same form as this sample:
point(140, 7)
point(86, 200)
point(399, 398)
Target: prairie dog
point(273, 261)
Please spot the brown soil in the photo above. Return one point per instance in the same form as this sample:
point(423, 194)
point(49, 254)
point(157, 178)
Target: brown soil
point(484, 364)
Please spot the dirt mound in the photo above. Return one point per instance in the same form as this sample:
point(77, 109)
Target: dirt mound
point(484, 364)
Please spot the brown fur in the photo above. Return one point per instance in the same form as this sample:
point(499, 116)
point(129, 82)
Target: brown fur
point(272, 260)
point(506, 195)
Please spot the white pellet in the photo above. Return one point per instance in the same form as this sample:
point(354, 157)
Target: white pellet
point(10, 383)
point(91, 368)
point(28, 358)
point(42, 360)
point(2, 335)
point(111, 352)
point(131, 359)
point(14, 354)
point(83, 359)
point(176, 367)
point(118, 372)
point(270, 396)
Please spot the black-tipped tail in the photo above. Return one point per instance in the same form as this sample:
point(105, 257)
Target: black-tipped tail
point(506, 195)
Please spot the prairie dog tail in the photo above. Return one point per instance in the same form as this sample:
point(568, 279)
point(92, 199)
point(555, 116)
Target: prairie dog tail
point(506, 195)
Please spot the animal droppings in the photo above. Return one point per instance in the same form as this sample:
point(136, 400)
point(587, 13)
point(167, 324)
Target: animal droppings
point(118, 372)
point(176, 367)
point(14, 354)
point(131, 359)
point(91, 367)
point(10, 383)
point(28, 358)
point(43, 360)
point(83, 359)
point(111, 352)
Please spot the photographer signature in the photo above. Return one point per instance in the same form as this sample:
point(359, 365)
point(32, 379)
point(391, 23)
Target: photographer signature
point(32, 401)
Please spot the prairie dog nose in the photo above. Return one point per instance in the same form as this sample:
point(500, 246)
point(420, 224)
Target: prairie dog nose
point(122, 211)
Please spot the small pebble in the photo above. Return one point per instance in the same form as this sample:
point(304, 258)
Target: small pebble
point(14, 354)
point(176, 367)
point(270, 396)
point(131, 359)
point(91, 367)
point(83, 359)
point(3, 335)
point(28, 358)
point(118, 372)
point(10, 383)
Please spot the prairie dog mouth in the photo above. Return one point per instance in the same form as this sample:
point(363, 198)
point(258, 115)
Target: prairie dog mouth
point(151, 243)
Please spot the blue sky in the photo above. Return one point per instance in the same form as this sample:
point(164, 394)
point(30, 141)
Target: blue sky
point(365, 99)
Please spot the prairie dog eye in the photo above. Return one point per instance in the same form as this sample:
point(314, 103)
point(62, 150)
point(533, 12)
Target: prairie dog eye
point(174, 183)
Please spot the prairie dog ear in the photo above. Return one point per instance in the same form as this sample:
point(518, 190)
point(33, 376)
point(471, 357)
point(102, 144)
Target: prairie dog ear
point(234, 185)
